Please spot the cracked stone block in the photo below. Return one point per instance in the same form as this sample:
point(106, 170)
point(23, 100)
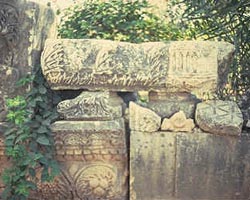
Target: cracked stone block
point(143, 119)
point(152, 165)
point(219, 117)
point(181, 66)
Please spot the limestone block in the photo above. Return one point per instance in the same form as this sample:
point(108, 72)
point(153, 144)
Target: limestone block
point(219, 117)
point(166, 104)
point(178, 122)
point(143, 119)
point(212, 167)
point(92, 106)
point(152, 165)
point(178, 166)
point(185, 66)
point(93, 161)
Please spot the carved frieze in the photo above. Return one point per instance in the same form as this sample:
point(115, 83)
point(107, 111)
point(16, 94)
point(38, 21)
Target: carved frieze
point(219, 117)
point(90, 140)
point(188, 66)
point(92, 106)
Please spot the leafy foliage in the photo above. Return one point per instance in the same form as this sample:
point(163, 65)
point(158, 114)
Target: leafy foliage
point(28, 139)
point(117, 20)
point(226, 20)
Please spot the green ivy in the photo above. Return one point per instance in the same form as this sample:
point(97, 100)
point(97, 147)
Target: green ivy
point(28, 139)
point(129, 21)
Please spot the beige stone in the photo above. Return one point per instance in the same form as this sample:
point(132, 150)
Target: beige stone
point(166, 104)
point(143, 119)
point(152, 165)
point(92, 106)
point(93, 161)
point(185, 66)
point(178, 123)
point(219, 117)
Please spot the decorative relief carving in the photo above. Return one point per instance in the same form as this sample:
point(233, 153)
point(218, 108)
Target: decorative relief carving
point(219, 117)
point(91, 105)
point(185, 66)
point(98, 64)
point(86, 182)
point(9, 28)
point(90, 140)
point(178, 123)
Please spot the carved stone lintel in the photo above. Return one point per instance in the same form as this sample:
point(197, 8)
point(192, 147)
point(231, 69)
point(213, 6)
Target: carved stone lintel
point(92, 106)
point(187, 66)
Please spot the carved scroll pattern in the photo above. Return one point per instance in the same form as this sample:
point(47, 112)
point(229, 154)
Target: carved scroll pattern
point(85, 63)
point(87, 105)
point(89, 143)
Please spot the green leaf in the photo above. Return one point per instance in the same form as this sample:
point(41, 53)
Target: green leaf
point(43, 140)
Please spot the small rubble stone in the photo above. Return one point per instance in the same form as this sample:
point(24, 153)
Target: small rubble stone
point(143, 119)
point(219, 117)
point(178, 122)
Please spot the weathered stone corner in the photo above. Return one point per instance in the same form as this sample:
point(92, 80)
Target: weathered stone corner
point(219, 117)
point(143, 119)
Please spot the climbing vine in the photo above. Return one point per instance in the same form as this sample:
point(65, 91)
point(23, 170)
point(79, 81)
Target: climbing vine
point(28, 138)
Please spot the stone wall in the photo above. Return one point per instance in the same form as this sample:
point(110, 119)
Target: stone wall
point(183, 143)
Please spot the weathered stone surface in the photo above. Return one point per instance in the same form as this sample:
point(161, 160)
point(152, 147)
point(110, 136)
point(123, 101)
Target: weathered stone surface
point(152, 165)
point(79, 180)
point(93, 161)
point(219, 117)
point(120, 66)
point(24, 26)
point(212, 167)
point(178, 122)
point(92, 106)
point(83, 138)
point(166, 104)
point(172, 165)
point(143, 119)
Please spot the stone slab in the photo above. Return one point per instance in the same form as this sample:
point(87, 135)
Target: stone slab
point(190, 166)
point(152, 165)
point(212, 167)
point(120, 66)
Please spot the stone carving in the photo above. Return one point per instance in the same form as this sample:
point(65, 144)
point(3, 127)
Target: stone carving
point(85, 181)
point(166, 104)
point(92, 106)
point(9, 24)
point(143, 119)
point(90, 182)
point(120, 66)
point(100, 64)
point(178, 123)
point(90, 140)
point(219, 117)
